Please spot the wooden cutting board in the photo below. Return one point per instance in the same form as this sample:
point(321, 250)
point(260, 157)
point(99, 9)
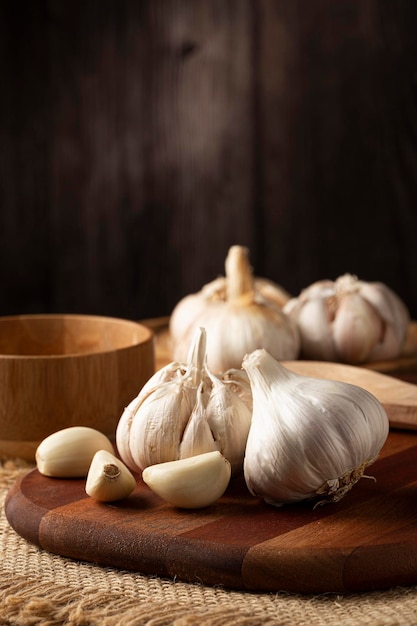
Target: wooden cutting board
point(366, 541)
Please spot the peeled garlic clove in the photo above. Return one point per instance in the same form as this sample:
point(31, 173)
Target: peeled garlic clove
point(68, 453)
point(309, 438)
point(108, 479)
point(190, 483)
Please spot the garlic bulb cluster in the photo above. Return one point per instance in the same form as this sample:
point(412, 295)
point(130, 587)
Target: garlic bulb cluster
point(309, 438)
point(349, 320)
point(240, 314)
point(185, 410)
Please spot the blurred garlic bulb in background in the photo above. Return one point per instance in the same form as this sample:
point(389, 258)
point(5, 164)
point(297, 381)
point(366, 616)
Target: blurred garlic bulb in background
point(240, 314)
point(184, 410)
point(309, 438)
point(349, 320)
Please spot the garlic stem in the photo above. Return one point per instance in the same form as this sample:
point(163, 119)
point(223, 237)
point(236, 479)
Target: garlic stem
point(196, 357)
point(239, 276)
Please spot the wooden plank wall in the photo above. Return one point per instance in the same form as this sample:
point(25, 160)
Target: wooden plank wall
point(141, 138)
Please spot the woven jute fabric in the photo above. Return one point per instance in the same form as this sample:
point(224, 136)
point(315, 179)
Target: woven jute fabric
point(37, 588)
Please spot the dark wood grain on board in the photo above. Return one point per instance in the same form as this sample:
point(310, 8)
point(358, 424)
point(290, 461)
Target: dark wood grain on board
point(366, 541)
point(141, 139)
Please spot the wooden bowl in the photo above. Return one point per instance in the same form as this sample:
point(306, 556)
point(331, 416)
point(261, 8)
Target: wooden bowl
point(67, 370)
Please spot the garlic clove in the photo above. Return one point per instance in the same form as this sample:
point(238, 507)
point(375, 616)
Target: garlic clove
point(229, 417)
point(156, 432)
point(309, 438)
point(394, 314)
point(313, 320)
point(68, 453)
point(190, 483)
point(108, 479)
point(198, 437)
point(166, 374)
point(357, 328)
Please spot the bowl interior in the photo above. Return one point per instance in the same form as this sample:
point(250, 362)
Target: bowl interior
point(63, 335)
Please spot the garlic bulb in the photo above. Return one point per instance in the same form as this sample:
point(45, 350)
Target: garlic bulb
point(240, 313)
point(185, 410)
point(349, 320)
point(309, 438)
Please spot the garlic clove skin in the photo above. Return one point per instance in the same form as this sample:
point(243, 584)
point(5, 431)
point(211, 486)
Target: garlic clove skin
point(156, 431)
point(68, 453)
point(357, 328)
point(189, 308)
point(198, 437)
point(309, 438)
point(167, 374)
point(229, 417)
point(395, 316)
point(191, 483)
point(108, 479)
point(313, 320)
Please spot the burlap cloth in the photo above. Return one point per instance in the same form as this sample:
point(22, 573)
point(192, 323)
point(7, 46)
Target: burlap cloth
point(39, 588)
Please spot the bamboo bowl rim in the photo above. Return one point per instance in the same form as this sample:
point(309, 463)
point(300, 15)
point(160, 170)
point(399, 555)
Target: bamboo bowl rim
point(61, 336)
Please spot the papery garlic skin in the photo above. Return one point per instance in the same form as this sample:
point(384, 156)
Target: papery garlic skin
point(185, 410)
point(240, 314)
point(309, 438)
point(349, 320)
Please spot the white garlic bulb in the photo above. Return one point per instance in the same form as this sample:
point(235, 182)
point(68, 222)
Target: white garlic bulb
point(309, 438)
point(349, 320)
point(240, 314)
point(185, 410)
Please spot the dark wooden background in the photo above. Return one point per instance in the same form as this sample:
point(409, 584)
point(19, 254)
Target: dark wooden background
point(141, 138)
